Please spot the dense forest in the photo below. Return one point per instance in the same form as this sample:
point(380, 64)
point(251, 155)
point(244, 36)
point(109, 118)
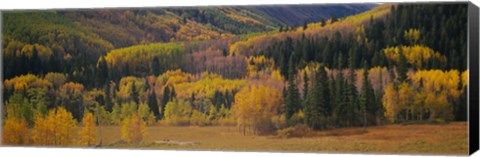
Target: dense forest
point(235, 66)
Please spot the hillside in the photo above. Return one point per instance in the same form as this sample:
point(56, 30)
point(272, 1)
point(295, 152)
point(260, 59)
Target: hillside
point(69, 72)
point(296, 15)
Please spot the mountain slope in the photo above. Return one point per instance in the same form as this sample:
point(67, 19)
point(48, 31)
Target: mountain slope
point(296, 15)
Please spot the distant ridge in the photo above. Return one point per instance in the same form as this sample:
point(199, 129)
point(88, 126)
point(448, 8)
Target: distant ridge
point(296, 15)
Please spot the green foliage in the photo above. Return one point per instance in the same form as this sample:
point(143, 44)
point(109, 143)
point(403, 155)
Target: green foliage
point(177, 112)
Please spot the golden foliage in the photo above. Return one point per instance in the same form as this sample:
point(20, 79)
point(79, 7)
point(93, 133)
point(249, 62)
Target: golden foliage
point(206, 86)
point(390, 103)
point(134, 129)
point(24, 82)
point(87, 133)
point(125, 84)
point(255, 106)
point(256, 64)
point(15, 132)
point(412, 35)
point(416, 55)
point(199, 119)
point(56, 129)
point(71, 88)
point(43, 52)
point(140, 57)
point(177, 112)
point(172, 77)
point(429, 91)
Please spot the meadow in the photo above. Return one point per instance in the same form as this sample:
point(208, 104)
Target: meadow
point(399, 139)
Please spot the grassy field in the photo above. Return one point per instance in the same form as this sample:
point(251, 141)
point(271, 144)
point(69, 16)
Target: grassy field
point(399, 139)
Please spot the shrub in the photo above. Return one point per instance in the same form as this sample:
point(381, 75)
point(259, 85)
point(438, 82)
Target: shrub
point(199, 119)
point(299, 130)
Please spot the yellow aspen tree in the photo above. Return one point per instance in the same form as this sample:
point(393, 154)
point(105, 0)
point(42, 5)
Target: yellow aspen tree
point(87, 133)
point(15, 132)
point(405, 99)
point(390, 102)
point(56, 129)
point(134, 129)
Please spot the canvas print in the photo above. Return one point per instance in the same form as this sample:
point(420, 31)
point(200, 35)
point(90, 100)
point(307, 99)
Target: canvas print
point(377, 78)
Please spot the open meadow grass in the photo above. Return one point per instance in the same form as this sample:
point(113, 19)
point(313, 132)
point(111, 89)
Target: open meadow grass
point(399, 139)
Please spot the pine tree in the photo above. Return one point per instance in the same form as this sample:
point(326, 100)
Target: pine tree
point(351, 94)
point(320, 103)
point(402, 68)
point(153, 104)
point(366, 96)
point(101, 72)
point(165, 99)
point(292, 98)
point(156, 66)
point(305, 88)
point(134, 95)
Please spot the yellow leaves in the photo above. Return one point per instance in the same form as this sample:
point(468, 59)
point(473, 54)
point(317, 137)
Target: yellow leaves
point(198, 118)
point(72, 88)
point(195, 31)
point(43, 52)
point(56, 129)
point(206, 86)
point(126, 85)
point(464, 78)
point(276, 76)
point(416, 55)
point(412, 35)
point(172, 77)
point(390, 102)
point(87, 133)
point(15, 132)
point(405, 96)
point(24, 82)
point(438, 81)
point(255, 106)
point(256, 64)
point(133, 129)
point(140, 57)
point(429, 91)
point(177, 112)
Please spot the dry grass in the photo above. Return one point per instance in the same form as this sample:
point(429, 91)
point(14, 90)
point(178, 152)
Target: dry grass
point(399, 139)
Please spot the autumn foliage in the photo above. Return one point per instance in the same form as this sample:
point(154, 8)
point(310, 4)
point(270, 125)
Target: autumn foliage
point(87, 132)
point(15, 132)
point(56, 129)
point(133, 129)
point(255, 106)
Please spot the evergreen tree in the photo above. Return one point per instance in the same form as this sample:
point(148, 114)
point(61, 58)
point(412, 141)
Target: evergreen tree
point(305, 88)
point(134, 95)
point(292, 98)
point(402, 68)
point(351, 94)
point(156, 66)
point(101, 72)
point(165, 99)
point(153, 104)
point(305, 25)
point(108, 99)
point(366, 99)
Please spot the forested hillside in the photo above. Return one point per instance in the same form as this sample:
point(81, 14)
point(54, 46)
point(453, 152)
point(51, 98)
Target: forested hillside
point(297, 15)
point(240, 66)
